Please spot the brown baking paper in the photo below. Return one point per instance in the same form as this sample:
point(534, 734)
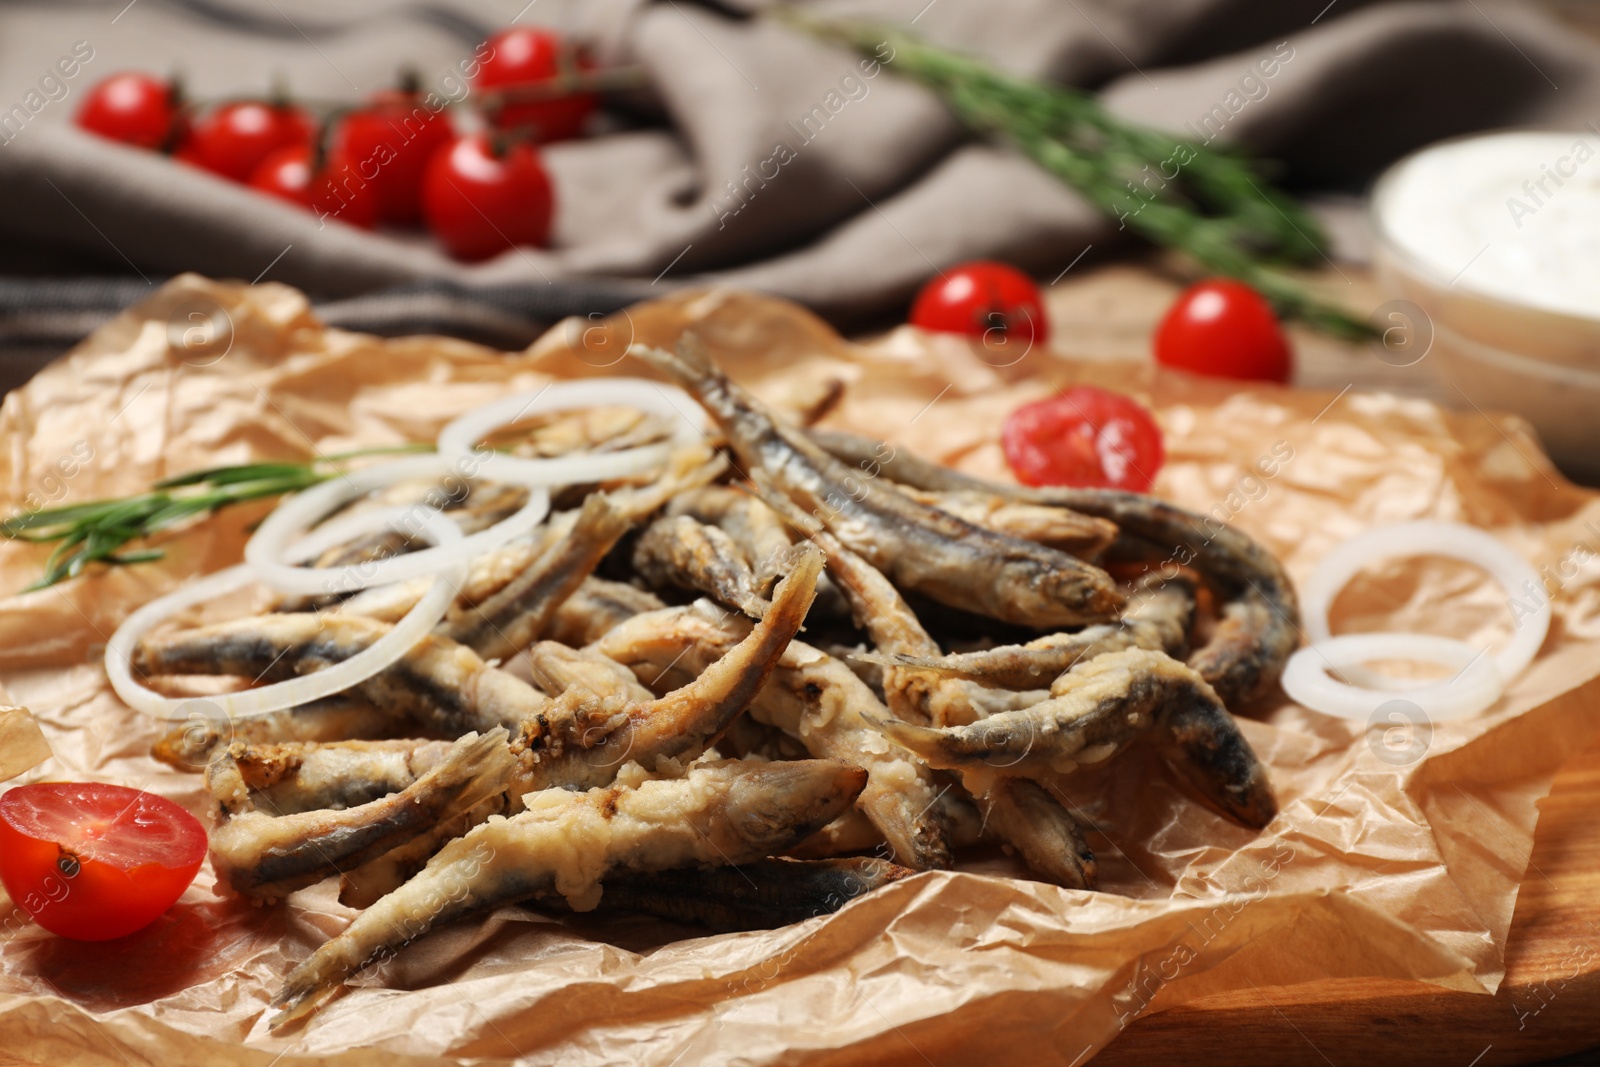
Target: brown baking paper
point(1376, 867)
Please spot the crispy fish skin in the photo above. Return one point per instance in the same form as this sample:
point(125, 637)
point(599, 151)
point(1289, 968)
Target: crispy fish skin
point(820, 701)
point(513, 618)
point(920, 547)
point(718, 813)
point(678, 550)
point(1098, 708)
point(557, 668)
point(287, 778)
point(193, 744)
point(1260, 614)
point(596, 607)
point(763, 895)
point(1158, 617)
point(682, 723)
point(267, 856)
point(439, 683)
point(1082, 535)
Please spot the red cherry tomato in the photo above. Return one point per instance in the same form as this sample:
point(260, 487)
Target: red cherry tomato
point(992, 301)
point(336, 191)
point(135, 109)
point(92, 861)
point(1085, 437)
point(523, 56)
point(478, 203)
point(1225, 329)
point(389, 142)
point(234, 139)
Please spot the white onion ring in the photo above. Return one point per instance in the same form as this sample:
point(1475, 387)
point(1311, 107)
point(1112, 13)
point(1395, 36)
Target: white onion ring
point(458, 442)
point(1477, 685)
point(330, 680)
point(1452, 540)
point(265, 550)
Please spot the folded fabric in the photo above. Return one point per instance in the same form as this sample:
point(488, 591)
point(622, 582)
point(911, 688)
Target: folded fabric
point(759, 156)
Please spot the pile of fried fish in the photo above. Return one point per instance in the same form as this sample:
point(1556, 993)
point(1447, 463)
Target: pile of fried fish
point(618, 707)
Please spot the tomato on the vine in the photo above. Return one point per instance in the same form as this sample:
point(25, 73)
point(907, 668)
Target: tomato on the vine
point(521, 57)
point(136, 109)
point(92, 861)
point(1225, 329)
point(1087, 437)
point(992, 301)
point(480, 197)
point(389, 142)
point(333, 190)
point(234, 139)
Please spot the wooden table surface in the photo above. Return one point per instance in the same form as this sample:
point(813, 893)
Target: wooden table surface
point(1549, 1004)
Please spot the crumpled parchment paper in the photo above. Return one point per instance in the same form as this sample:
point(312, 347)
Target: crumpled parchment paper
point(1397, 854)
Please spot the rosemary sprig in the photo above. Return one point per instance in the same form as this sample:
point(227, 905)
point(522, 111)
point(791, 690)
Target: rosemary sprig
point(1216, 207)
point(99, 530)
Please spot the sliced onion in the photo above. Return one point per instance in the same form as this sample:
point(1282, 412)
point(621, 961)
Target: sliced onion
point(266, 550)
point(1452, 540)
point(335, 678)
point(1477, 684)
point(458, 443)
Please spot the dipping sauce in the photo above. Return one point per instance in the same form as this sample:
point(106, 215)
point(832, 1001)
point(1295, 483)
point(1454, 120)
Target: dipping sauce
point(1515, 215)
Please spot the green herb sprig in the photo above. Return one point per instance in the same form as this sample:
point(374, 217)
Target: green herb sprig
point(99, 530)
point(1216, 207)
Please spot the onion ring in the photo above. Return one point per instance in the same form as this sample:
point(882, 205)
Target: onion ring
point(1452, 540)
point(1477, 684)
point(265, 549)
point(459, 440)
point(337, 677)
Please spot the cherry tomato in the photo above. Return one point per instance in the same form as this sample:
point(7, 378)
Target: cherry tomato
point(335, 191)
point(1085, 437)
point(523, 56)
point(479, 202)
point(133, 108)
point(992, 301)
point(91, 861)
point(1225, 329)
point(234, 139)
point(389, 142)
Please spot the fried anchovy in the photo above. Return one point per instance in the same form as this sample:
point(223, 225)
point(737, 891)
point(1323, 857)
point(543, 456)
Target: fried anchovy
point(920, 547)
point(763, 895)
point(557, 668)
point(287, 778)
point(440, 684)
point(816, 699)
point(1259, 624)
point(193, 744)
point(511, 619)
point(596, 607)
point(929, 696)
point(1097, 709)
point(267, 856)
point(1158, 617)
point(717, 813)
point(591, 731)
point(1082, 535)
point(680, 551)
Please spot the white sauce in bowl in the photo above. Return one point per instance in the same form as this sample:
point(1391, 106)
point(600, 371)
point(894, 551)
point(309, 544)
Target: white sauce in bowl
point(1510, 215)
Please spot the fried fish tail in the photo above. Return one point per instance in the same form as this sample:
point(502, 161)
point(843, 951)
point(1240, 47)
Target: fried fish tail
point(565, 842)
point(1024, 814)
point(265, 856)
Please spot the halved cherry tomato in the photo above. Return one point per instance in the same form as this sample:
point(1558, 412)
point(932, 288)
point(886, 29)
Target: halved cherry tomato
point(136, 109)
point(1225, 329)
point(334, 191)
point(523, 56)
point(234, 139)
point(389, 143)
point(1086, 437)
point(480, 199)
point(992, 301)
point(92, 861)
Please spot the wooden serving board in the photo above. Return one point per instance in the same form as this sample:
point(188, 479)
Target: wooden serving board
point(1548, 1006)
